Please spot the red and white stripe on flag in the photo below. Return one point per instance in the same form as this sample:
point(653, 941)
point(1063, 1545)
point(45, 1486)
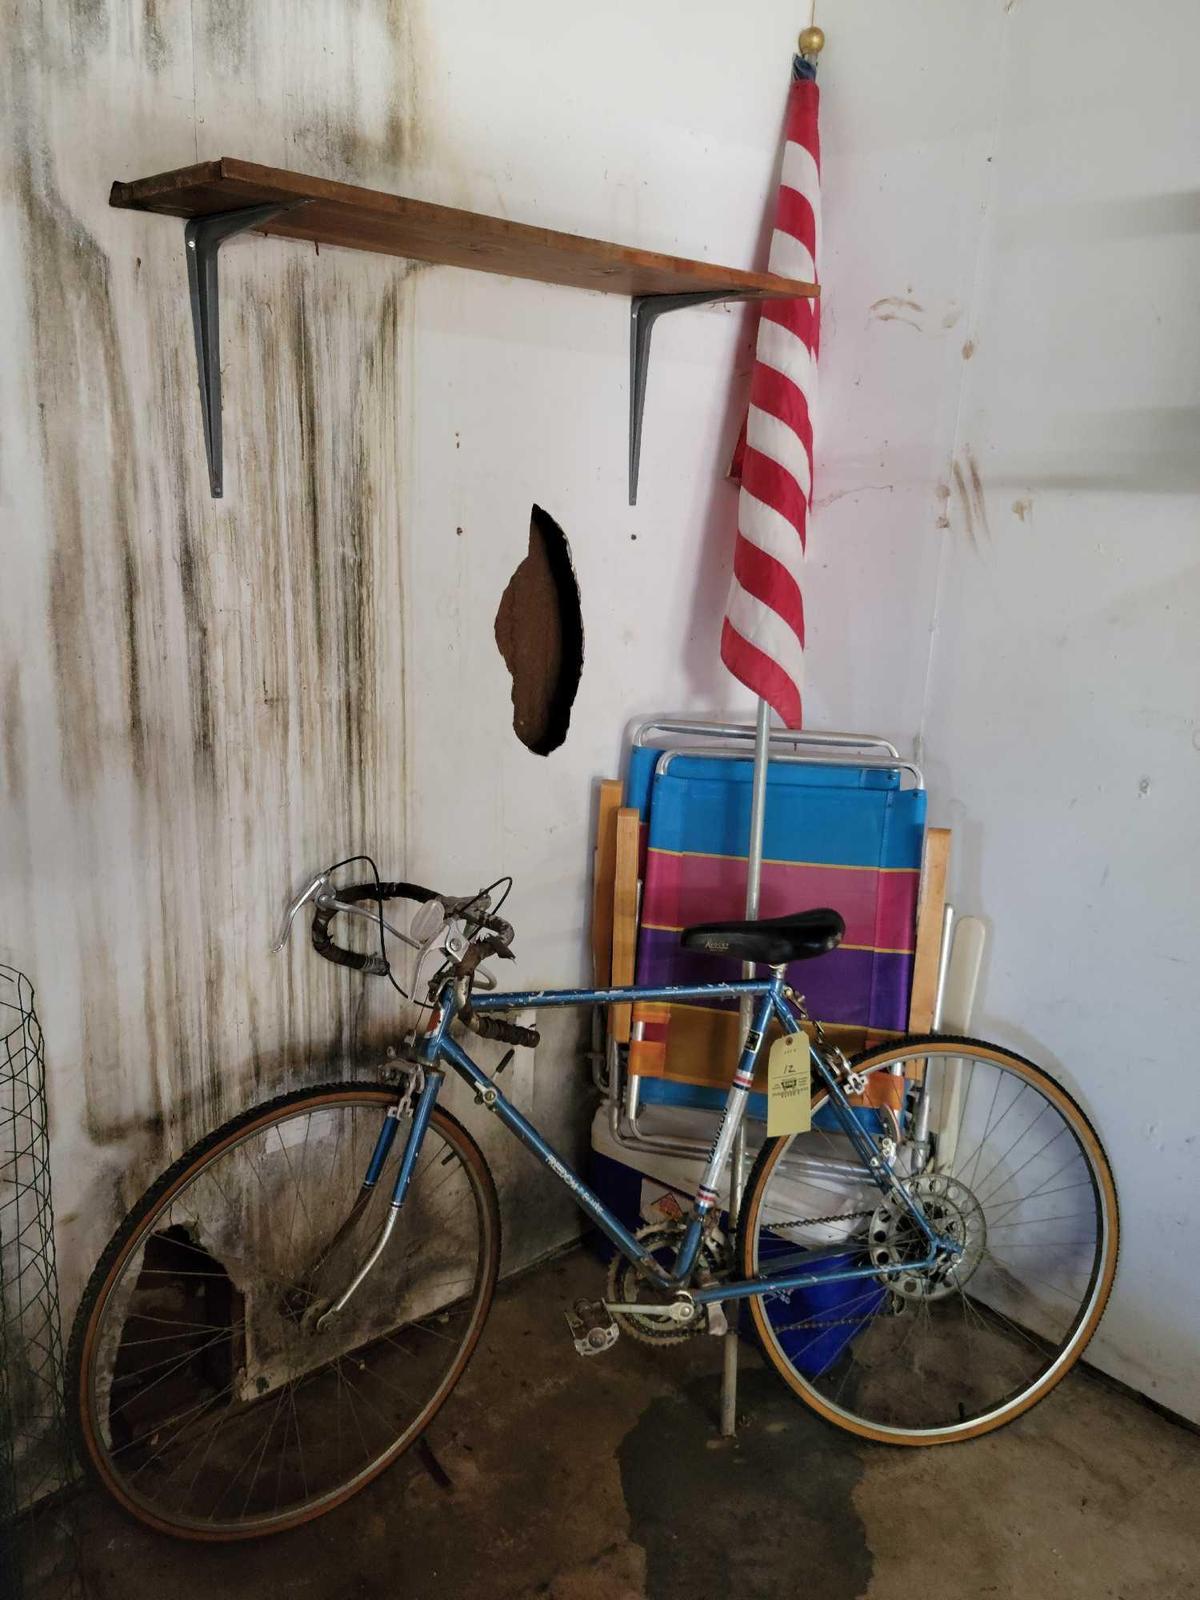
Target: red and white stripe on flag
point(762, 640)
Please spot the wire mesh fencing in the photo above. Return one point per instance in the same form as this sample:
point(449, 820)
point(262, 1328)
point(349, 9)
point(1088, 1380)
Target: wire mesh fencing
point(38, 1555)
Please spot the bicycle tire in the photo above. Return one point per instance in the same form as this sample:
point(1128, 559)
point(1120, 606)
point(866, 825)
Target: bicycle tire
point(867, 1063)
point(137, 1227)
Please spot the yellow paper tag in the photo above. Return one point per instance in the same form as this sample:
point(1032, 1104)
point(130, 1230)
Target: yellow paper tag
point(789, 1091)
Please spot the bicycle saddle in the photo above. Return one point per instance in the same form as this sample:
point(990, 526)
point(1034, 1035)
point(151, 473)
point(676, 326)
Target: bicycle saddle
point(772, 940)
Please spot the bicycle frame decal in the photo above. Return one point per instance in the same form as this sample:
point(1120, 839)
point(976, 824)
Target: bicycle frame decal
point(436, 1048)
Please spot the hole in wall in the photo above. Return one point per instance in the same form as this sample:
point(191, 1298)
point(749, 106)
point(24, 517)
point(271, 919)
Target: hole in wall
point(177, 1349)
point(539, 632)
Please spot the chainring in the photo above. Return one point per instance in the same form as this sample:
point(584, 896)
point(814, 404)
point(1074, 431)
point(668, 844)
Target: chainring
point(626, 1284)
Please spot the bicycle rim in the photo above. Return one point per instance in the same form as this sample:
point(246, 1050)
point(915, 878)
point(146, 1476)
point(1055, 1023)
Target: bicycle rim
point(934, 1355)
point(210, 1403)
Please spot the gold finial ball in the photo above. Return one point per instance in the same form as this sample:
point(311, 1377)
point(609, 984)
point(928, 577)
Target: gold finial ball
point(812, 41)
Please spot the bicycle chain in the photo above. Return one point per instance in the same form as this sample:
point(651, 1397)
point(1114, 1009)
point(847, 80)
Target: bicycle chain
point(818, 1322)
point(808, 1222)
point(830, 1322)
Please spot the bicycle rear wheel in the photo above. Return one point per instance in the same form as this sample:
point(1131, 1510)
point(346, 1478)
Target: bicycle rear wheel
point(204, 1395)
point(1015, 1174)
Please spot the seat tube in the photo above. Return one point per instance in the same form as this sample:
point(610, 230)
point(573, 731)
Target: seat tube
point(707, 1192)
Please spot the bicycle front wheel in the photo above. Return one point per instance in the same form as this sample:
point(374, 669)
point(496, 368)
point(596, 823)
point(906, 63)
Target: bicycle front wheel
point(206, 1394)
point(1014, 1173)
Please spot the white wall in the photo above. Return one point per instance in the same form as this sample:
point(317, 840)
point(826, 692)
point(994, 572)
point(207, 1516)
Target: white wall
point(202, 701)
point(1012, 391)
point(1060, 729)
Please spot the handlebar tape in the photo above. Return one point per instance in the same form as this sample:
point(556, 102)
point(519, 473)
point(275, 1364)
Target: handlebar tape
point(323, 916)
point(375, 964)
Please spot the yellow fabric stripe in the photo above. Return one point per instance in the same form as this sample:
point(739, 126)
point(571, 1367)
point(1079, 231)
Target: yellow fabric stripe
point(701, 1047)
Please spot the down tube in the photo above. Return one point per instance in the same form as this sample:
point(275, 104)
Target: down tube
point(589, 1203)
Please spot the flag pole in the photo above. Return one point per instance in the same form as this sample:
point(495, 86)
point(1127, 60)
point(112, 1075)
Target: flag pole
point(737, 1159)
point(811, 42)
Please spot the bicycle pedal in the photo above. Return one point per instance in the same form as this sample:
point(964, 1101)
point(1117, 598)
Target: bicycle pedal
point(592, 1327)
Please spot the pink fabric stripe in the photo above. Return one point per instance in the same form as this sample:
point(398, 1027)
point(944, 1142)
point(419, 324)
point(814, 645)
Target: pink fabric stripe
point(880, 908)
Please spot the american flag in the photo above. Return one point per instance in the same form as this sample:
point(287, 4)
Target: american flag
point(762, 640)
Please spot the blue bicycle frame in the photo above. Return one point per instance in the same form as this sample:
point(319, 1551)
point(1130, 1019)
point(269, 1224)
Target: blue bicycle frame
point(437, 1047)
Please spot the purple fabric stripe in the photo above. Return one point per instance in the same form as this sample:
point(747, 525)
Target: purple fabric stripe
point(864, 987)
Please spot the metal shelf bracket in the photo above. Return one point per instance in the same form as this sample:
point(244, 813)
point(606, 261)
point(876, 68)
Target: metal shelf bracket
point(644, 312)
point(202, 241)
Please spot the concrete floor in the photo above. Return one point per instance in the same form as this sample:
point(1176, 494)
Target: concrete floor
point(604, 1480)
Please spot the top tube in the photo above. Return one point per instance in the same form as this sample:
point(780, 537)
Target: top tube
point(498, 1001)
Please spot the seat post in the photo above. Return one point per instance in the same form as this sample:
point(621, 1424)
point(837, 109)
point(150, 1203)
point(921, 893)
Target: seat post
point(707, 1192)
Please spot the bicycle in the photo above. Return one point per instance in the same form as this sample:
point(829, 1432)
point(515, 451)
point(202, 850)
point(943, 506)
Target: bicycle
point(287, 1308)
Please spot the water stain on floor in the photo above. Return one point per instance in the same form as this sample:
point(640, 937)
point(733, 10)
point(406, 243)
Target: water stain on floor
point(769, 1514)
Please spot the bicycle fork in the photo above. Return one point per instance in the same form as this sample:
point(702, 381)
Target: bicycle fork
point(423, 1086)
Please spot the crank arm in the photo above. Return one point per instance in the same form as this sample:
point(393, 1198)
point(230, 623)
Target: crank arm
point(680, 1311)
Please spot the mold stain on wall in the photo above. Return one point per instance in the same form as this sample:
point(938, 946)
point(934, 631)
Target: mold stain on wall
point(202, 702)
point(971, 499)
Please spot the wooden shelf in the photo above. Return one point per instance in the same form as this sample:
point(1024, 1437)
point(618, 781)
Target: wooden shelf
point(220, 199)
point(369, 219)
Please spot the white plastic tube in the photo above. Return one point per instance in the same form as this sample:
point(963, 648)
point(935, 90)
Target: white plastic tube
point(958, 1002)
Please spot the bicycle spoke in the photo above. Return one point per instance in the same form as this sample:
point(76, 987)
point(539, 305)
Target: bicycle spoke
point(205, 1405)
point(353, 1413)
point(969, 1178)
point(268, 1431)
point(296, 1201)
point(291, 1172)
point(966, 1100)
point(1011, 1205)
point(1012, 1178)
point(299, 1441)
point(176, 1366)
point(1036, 1222)
point(1027, 1277)
point(172, 1338)
point(979, 1184)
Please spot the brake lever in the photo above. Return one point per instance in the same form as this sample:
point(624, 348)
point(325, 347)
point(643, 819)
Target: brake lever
point(330, 902)
point(309, 892)
point(455, 947)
